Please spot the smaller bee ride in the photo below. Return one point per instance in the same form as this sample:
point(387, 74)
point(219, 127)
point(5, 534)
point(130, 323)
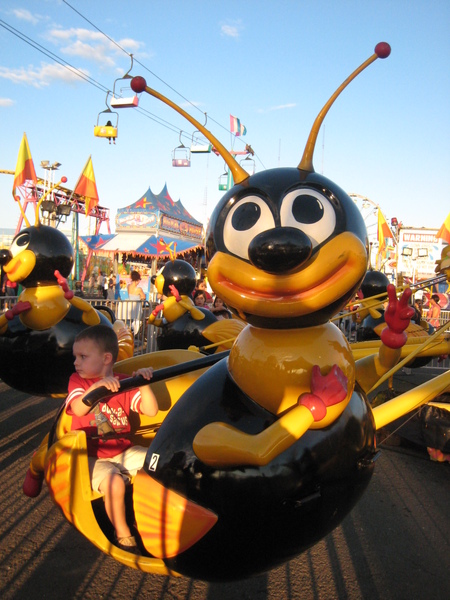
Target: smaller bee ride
point(254, 459)
point(37, 333)
point(181, 323)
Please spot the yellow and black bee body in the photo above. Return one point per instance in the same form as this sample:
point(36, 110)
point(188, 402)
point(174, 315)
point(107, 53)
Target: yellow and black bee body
point(36, 344)
point(266, 514)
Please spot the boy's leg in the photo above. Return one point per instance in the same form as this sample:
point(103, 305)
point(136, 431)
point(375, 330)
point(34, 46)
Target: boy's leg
point(113, 489)
point(109, 477)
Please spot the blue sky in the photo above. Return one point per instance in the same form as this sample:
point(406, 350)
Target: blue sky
point(272, 64)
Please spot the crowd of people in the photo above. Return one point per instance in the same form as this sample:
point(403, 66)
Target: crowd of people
point(202, 298)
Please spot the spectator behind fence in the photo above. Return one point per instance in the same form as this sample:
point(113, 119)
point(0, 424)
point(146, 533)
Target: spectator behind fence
point(434, 311)
point(200, 299)
point(201, 285)
point(134, 291)
point(218, 305)
point(9, 288)
point(79, 289)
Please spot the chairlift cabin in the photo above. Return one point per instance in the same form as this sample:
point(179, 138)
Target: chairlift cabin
point(181, 156)
point(248, 164)
point(110, 128)
point(124, 102)
point(223, 182)
point(199, 148)
point(120, 101)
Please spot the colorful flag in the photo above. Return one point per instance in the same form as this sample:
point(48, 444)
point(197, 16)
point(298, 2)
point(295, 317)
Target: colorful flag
point(383, 232)
point(25, 167)
point(236, 127)
point(444, 231)
point(87, 187)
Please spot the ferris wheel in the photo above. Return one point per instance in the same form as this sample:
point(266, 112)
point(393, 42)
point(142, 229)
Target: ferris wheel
point(369, 212)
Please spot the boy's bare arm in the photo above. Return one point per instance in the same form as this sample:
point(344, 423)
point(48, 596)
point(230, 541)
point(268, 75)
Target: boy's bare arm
point(149, 404)
point(79, 408)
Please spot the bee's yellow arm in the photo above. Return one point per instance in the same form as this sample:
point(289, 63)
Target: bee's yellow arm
point(221, 445)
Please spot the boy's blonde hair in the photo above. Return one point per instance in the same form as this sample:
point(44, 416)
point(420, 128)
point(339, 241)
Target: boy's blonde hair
point(105, 337)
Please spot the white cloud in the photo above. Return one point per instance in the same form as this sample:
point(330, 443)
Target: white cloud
point(6, 102)
point(130, 45)
point(92, 45)
point(232, 29)
point(279, 107)
point(97, 52)
point(283, 106)
point(25, 15)
point(39, 76)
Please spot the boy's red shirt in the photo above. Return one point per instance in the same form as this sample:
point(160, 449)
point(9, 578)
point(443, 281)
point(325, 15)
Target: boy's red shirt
point(107, 417)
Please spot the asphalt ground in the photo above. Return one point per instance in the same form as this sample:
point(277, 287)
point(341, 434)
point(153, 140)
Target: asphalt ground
point(394, 545)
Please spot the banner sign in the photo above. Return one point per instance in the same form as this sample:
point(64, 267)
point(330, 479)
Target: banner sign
point(181, 227)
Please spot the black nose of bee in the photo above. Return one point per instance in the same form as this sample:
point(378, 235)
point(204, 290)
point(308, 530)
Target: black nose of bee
point(5, 256)
point(280, 250)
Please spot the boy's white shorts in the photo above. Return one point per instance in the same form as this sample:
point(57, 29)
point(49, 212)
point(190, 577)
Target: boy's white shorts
point(126, 464)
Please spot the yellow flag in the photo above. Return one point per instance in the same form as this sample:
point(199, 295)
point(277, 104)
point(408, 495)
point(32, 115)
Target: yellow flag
point(444, 231)
point(87, 187)
point(25, 167)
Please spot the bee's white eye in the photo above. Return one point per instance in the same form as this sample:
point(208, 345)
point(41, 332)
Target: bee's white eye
point(249, 217)
point(20, 243)
point(311, 212)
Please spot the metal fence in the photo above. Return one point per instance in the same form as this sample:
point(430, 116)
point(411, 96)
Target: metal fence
point(133, 313)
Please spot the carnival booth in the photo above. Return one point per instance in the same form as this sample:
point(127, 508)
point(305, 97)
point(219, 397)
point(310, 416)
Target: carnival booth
point(148, 231)
point(152, 228)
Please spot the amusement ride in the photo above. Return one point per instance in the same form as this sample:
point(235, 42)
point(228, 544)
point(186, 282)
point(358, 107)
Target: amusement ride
point(259, 451)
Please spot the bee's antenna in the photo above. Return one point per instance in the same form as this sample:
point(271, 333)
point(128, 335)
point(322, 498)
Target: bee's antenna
point(138, 85)
point(382, 50)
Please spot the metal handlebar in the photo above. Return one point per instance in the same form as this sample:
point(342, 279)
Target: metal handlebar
point(173, 371)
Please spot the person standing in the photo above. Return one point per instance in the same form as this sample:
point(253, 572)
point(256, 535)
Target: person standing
point(434, 311)
point(9, 288)
point(105, 286)
point(135, 293)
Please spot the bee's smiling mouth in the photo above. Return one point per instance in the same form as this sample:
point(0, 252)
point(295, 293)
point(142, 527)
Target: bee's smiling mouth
point(328, 275)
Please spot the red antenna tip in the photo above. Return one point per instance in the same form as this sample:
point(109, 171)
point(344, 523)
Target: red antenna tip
point(382, 50)
point(138, 84)
point(63, 179)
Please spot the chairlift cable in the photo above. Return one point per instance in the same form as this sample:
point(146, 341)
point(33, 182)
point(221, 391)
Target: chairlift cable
point(143, 66)
point(23, 37)
point(52, 56)
point(75, 71)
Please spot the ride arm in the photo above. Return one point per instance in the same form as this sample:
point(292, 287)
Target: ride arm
point(393, 337)
point(221, 445)
point(401, 405)
point(90, 315)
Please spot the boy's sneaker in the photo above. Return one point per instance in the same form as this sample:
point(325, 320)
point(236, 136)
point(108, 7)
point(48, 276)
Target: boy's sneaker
point(129, 545)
